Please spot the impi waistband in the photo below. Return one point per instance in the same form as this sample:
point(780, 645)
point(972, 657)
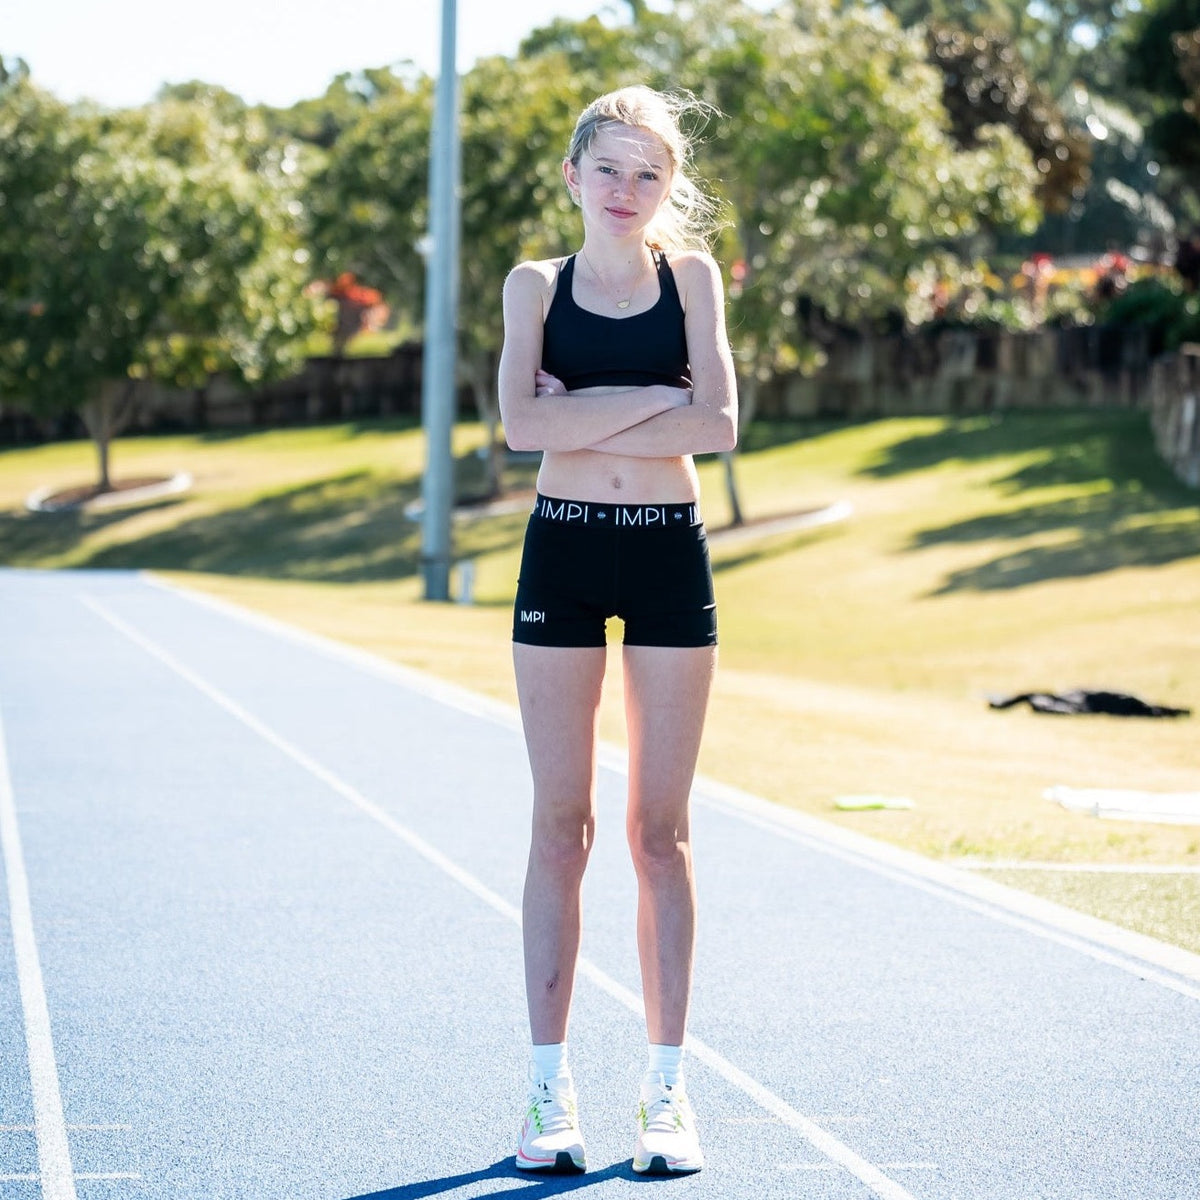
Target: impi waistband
point(616, 516)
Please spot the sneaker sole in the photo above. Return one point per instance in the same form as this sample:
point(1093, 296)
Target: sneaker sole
point(658, 1165)
point(563, 1164)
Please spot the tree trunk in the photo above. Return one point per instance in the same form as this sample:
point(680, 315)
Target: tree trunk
point(480, 370)
point(105, 416)
point(747, 404)
point(736, 514)
point(104, 482)
point(200, 406)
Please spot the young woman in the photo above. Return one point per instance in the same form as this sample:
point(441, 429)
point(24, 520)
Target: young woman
point(616, 365)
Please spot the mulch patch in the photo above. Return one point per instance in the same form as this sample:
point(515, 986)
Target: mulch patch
point(76, 497)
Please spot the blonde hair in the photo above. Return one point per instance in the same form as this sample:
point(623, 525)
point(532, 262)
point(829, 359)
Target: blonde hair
point(688, 217)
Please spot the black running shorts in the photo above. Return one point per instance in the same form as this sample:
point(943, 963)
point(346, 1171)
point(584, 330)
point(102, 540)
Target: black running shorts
point(645, 563)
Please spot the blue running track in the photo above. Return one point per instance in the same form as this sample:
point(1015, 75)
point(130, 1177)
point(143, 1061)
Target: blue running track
point(260, 942)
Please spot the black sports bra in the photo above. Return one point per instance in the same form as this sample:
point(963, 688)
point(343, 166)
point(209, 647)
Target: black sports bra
point(585, 349)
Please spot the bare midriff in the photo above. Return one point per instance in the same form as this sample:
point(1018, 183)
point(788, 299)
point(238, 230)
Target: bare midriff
point(598, 477)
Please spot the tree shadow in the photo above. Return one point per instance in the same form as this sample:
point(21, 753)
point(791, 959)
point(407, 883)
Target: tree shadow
point(349, 528)
point(536, 1186)
point(345, 528)
point(32, 538)
point(771, 545)
point(1127, 509)
point(1073, 444)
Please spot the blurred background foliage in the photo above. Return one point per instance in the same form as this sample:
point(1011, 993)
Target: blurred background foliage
point(969, 162)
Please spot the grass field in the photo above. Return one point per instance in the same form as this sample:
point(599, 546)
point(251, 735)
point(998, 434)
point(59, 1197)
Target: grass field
point(983, 555)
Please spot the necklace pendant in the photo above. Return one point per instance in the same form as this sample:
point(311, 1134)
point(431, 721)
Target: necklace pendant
point(622, 303)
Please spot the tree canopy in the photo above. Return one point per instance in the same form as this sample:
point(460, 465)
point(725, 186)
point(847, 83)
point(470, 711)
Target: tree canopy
point(155, 243)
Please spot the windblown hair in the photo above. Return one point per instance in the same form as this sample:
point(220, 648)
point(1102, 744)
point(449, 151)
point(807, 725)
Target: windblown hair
point(688, 218)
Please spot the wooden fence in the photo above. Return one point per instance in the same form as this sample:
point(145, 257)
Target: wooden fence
point(1175, 412)
point(930, 371)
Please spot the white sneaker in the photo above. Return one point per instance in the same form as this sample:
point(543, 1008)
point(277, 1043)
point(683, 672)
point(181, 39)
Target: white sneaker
point(550, 1137)
point(667, 1142)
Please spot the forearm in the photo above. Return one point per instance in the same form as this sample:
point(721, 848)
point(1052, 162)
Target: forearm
point(692, 430)
point(574, 422)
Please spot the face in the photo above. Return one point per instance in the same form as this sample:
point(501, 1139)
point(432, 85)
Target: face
point(621, 180)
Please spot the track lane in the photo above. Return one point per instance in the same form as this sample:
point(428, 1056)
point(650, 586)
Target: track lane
point(843, 1005)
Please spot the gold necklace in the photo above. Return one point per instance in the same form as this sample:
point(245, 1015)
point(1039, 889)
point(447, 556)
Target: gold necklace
point(632, 288)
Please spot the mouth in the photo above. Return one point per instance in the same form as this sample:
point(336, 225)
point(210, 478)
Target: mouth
point(622, 212)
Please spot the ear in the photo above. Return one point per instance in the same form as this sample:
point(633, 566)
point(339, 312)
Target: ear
point(571, 175)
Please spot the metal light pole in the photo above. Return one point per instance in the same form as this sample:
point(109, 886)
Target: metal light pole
point(441, 309)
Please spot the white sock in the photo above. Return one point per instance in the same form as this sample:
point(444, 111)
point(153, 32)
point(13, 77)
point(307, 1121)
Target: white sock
point(550, 1060)
point(667, 1062)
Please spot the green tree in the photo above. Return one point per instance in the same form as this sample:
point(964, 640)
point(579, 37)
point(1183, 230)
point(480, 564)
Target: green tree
point(161, 245)
point(517, 118)
point(842, 177)
point(985, 83)
point(1159, 61)
point(368, 196)
point(1061, 43)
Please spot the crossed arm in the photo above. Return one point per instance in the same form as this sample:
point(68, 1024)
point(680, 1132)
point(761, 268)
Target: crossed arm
point(647, 422)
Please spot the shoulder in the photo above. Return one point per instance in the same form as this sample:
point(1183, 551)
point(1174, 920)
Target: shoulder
point(534, 278)
point(697, 276)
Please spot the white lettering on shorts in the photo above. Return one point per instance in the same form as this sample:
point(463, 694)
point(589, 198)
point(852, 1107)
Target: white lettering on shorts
point(533, 617)
point(564, 510)
point(646, 514)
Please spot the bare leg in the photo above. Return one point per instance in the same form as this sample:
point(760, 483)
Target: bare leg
point(666, 697)
point(559, 690)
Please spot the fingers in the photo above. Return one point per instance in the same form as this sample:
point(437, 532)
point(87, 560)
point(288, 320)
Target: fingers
point(546, 384)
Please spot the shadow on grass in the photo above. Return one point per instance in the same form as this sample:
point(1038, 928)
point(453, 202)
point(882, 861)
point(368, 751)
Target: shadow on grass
point(31, 539)
point(345, 528)
point(1129, 511)
point(348, 528)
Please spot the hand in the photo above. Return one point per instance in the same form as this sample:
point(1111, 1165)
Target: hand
point(545, 384)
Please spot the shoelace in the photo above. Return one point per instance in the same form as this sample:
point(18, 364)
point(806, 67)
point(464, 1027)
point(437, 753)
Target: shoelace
point(552, 1112)
point(663, 1113)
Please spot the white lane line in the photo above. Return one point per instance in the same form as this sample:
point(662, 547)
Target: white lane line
point(1111, 944)
point(1078, 868)
point(309, 764)
point(70, 1128)
point(90, 1175)
point(54, 1153)
point(895, 1166)
point(820, 1139)
point(1072, 930)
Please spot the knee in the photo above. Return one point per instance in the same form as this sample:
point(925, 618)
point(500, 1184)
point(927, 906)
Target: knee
point(658, 849)
point(563, 842)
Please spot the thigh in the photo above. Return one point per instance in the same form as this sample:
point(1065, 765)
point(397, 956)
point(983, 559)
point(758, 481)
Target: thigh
point(563, 587)
point(559, 690)
point(666, 699)
point(666, 595)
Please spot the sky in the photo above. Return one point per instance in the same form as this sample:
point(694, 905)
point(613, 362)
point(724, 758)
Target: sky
point(119, 52)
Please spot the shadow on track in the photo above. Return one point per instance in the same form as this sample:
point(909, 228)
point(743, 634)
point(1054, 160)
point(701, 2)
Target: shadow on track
point(536, 1186)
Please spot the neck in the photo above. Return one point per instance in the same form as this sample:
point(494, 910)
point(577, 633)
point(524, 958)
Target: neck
point(616, 257)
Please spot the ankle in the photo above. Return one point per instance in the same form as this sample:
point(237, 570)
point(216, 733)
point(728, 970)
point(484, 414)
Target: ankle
point(665, 1064)
point(550, 1061)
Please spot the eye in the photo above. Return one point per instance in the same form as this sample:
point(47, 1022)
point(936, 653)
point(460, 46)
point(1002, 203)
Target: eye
point(606, 170)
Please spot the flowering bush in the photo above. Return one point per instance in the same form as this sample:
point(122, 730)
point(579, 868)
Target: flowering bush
point(360, 309)
point(1041, 293)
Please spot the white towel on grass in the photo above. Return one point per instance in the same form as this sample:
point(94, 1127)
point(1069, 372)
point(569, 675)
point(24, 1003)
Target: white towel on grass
point(1119, 804)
